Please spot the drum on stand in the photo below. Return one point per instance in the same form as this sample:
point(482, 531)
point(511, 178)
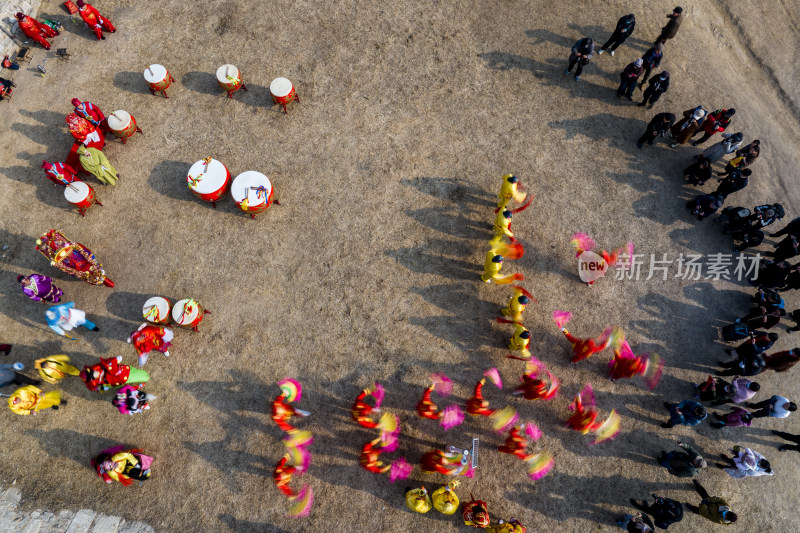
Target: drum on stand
point(282, 92)
point(122, 125)
point(252, 192)
point(188, 313)
point(81, 195)
point(209, 179)
point(230, 79)
point(158, 79)
point(156, 310)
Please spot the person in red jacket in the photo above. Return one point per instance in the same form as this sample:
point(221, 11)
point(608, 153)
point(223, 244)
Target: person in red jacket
point(96, 22)
point(35, 30)
point(719, 120)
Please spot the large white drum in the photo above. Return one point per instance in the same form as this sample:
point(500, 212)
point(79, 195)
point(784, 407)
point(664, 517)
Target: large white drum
point(252, 192)
point(81, 195)
point(156, 310)
point(188, 313)
point(209, 179)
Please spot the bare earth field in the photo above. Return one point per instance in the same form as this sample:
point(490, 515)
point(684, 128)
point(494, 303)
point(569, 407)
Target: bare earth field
point(369, 270)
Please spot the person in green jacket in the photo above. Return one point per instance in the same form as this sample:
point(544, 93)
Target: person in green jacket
point(96, 163)
point(682, 463)
point(712, 508)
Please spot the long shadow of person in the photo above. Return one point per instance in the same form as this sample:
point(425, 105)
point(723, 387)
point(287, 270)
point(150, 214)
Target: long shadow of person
point(73, 445)
point(456, 190)
point(419, 259)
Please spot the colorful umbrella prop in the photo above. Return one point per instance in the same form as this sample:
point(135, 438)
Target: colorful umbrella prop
point(540, 464)
point(504, 418)
point(291, 389)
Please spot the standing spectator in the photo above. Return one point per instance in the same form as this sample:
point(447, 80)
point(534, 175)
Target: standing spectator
point(782, 361)
point(736, 181)
point(760, 317)
point(726, 146)
point(773, 275)
point(749, 238)
point(789, 437)
point(719, 120)
point(659, 125)
point(624, 29)
point(715, 390)
point(655, 88)
point(792, 280)
point(787, 248)
point(698, 172)
point(682, 463)
point(764, 215)
point(582, 52)
point(10, 373)
point(705, 205)
point(665, 511)
point(792, 228)
point(628, 79)
point(795, 315)
point(687, 413)
point(750, 365)
point(745, 389)
point(750, 152)
point(737, 417)
point(758, 342)
point(747, 463)
point(639, 523)
point(775, 407)
point(671, 28)
point(651, 59)
point(683, 130)
point(712, 508)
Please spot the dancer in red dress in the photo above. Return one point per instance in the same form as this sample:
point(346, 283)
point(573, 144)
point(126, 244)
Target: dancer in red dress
point(426, 408)
point(96, 22)
point(35, 30)
point(477, 405)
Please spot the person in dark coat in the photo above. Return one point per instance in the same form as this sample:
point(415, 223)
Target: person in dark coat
point(698, 172)
point(789, 437)
point(795, 315)
point(792, 228)
point(736, 181)
point(787, 248)
point(764, 215)
point(687, 413)
point(705, 205)
point(659, 125)
point(762, 317)
point(759, 342)
point(792, 280)
point(751, 365)
point(657, 86)
point(782, 361)
point(685, 463)
point(671, 28)
point(640, 523)
point(772, 275)
point(750, 152)
point(665, 511)
point(651, 60)
point(748, 238)
point(715, 390)
point(624, 29)
point(628, 79)
point(715, 122)
point(683, 130)
point(582, 52)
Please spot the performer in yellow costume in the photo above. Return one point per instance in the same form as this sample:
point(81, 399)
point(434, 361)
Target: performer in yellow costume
point(29, 399)
point(444, 498)
point(96, 163)
point(517, 304)
point(508, 190)
point(418, 500)
point(502, 226)
point(54, 368)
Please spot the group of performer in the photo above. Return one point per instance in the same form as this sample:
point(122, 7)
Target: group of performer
point(41, 31)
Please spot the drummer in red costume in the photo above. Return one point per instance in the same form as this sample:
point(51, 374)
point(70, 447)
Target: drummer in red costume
point(369, 459)
point(60, 173)
point(89, 111)
point(96, 22)
point(35, 30)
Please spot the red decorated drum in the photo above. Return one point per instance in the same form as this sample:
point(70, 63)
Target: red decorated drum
point(229, 78)
point(122, 124)
point(187, 313)
point(209, 179)
point(252, 192)
point(158, 78)
point(282, 92)
point(81, 195)
point(156, 310)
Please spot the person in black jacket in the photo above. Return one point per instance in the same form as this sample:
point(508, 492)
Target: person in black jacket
point(628, 79)
point(698, 172)
point(665, 511)
point(658, 85)
point(652, 59)
point(735, 181)
point(624, 29)
point(705, 205)
point(582, 52)
point(658, 126)
point(787, 248)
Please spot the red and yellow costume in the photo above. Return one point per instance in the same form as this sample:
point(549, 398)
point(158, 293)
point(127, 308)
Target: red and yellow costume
point(517, 304)
point(515, 444)
point(361, 410)
point(585, 348)
point(441, 462)
point(477, 405)
point(60, 173)
point(508, 190)
point(512, 526)
point(73, 258)
point(149, 338)
point(283, 476)
point(476, 513)
point(89, 111)
point(96, 22)
point(502, 226)
point(584, 417)
point(29, 399)
point(54, 368)
point(369, 459)
point(418, 500)
point(282, 412)
point(426, 408)
point(518, 343)
point(444, 498)
point(118, 464)
point(35, 30)
point(534, 388)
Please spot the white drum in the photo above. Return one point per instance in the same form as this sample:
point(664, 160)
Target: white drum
point(280, 87)
point(228, 77)
point(119, 120)
point(156, 310)
point(208, 179)
point(252, 191)
point(155, 74)
point(188, 313)
point(78, 193)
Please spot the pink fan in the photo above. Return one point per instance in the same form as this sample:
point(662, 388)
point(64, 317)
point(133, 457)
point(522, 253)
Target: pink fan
point(581, 242)
point(400, 469)
point(291, 389)
point(390, 441)
point(378, 394)
point(533, 366)
point(494, 375)
point(302, 503)
point(532, 431)
point(452, 416)
point(561, 318)
point(442, 384)
point(655, 367)
point(470, 472)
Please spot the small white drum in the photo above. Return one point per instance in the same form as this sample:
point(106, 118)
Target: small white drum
point(209, 179)
point(230, 79)
point(252, 192)
point(156, 310)
point(81, 195)
point(158, 79)
point(122, 124)
point(282, 92)
point(188, 313)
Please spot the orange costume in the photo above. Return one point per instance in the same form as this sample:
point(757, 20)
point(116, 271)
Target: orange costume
point(515, 444)
point(96, 22)
point(476, 513)
point(369, 458)
point(477, 405)
point(283, 476)
point(282, 412)
point(361, 410)
point(35, 30)
point(585, 348)
point(441, 462)
point(584, 419)
point(534, 388)
point(426, 408)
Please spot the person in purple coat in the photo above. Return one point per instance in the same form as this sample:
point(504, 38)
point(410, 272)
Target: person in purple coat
point(40, 288)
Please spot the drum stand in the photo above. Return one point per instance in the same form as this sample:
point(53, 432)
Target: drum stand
point(82, 210)
point(289, 102)
point(230, 93)
point(163, 91)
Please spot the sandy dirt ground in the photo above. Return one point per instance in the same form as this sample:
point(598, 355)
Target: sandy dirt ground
point(369, 270)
